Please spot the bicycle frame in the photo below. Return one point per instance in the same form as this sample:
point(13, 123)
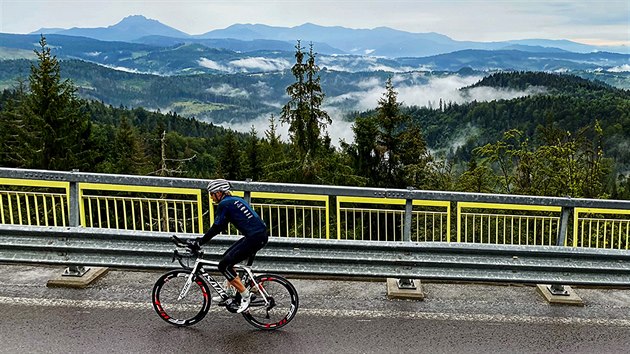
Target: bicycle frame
point(199, 268)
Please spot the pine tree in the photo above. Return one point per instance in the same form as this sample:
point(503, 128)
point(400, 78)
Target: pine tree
point(295, 112)
point(317, 119)
point(364, 150)
point(19, 139)
point(303, 112)
point(253, 156)
point(230, 158)
point(128, 149)
point(63, 128)
point(389, 119)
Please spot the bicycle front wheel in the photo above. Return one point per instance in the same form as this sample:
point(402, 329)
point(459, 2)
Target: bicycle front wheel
point(280, 307)
point(187, 311)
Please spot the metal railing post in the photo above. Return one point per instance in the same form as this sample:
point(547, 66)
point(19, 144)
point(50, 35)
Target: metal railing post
point(248, 193)
point(406, 283)
point(74, 218)
point(558, 289)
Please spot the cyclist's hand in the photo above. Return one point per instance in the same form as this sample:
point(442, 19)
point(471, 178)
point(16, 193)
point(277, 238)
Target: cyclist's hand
point(193, 244)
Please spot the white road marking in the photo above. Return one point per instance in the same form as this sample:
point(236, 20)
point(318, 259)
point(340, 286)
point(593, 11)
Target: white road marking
point(361, 314)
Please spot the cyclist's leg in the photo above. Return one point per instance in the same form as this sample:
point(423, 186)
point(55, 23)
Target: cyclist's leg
point(244, 249)
point(241, 251)
point(226, 264)
point(261, 243)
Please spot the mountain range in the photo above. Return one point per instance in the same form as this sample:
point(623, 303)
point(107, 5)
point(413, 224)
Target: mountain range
point(380, 41)
point(169, 56)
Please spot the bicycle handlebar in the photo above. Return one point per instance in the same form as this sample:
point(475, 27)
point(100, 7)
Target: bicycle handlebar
point(193, 248)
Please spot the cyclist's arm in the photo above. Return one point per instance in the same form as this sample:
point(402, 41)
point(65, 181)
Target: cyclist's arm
point(220, 223)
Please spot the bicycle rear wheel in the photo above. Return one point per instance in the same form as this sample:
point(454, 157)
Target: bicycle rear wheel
point(187, 311)
point(282, 306)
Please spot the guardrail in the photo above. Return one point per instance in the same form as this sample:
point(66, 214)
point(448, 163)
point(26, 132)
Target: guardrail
point(439, 260)
point(331, 217)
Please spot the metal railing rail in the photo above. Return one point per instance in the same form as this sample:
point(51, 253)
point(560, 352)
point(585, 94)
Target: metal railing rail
point(439, 260)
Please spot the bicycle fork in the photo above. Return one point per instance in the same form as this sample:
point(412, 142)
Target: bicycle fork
point(184, 292)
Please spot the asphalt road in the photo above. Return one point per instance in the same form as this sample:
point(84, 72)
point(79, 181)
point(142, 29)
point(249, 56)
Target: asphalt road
point(114, 315)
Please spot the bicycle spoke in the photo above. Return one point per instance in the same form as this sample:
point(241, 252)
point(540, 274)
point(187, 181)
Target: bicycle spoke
point(185, 311)
point(280, 306)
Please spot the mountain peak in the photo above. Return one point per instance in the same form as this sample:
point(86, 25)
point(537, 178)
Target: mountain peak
point(128, 29)
point(134, 17)
point(137, 20)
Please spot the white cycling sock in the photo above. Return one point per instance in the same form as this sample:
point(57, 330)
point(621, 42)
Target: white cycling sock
point(245, 293)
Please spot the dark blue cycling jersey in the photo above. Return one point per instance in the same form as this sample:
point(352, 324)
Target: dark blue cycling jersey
point(235, 210)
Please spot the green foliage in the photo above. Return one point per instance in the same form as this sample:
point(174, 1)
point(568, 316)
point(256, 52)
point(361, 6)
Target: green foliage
point(389, 149)
point(18, 139)
point(303, 112)
point(565, 165)
point(253, 161)
point(47, 127)
point(230, 158)
point(129, 153)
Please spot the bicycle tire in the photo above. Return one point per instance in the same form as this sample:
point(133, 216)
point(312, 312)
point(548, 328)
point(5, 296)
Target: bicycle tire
point(187, 311)
point(285, 303)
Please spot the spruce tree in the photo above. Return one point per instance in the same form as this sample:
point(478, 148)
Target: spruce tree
point(294, 112)
point(63, 128)
point(317, 119)
point(253, 156)
point(389, 149)
point(128, 150)
point(303, 112)
point(19, 139)
point(230, 158)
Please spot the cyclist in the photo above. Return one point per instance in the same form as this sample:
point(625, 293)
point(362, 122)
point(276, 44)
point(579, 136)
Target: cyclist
point(235, 210)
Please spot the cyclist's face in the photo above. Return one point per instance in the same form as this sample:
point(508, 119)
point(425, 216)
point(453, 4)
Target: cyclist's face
point(215, 197)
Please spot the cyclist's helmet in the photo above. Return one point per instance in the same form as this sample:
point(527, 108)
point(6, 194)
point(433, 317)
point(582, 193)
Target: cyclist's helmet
point(218, 185)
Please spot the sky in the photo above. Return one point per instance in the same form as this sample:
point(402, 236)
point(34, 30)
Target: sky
point(605, 22)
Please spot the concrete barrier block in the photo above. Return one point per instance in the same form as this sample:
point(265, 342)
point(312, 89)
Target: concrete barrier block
point(394, 292)
point(84, 281)
point(571, 298)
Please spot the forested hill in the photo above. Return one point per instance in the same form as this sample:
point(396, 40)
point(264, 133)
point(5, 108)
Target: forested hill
point(147, 121)
point(568, 84)
point(565, 102)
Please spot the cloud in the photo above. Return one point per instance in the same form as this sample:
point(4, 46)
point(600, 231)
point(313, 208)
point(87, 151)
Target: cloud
point(262, 89)
point(261, 124)
point(619, 69)
point(427, 93)
point(339, 129)
point(229, 91)
point(211, 64)
point(370, 83)
point(261, 64)
point(413, 89)
point(357, 63)
point(130, 70)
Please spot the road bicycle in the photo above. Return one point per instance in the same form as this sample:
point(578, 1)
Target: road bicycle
point(181, 296)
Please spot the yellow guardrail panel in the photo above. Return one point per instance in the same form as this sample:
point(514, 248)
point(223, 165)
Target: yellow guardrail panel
point(29, 210)
point(509, 207)
point(139, 189)
point(394, 201)
point(578, 233)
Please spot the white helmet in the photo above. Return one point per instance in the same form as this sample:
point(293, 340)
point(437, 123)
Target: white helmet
point(218, 185)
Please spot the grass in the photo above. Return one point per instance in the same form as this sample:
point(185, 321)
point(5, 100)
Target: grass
point(195, 108)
